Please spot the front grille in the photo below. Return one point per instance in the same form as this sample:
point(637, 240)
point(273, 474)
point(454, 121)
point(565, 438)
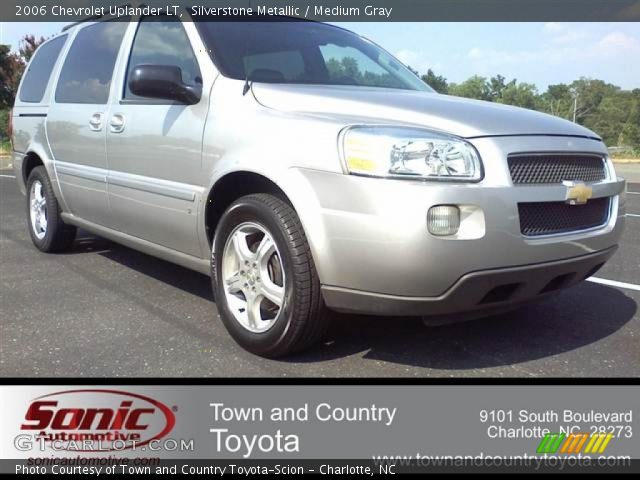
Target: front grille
point(548, 218)
point(554, 168)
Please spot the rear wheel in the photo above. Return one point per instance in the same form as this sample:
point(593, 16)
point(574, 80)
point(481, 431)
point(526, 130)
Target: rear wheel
point(264, 279)
point(46, 228)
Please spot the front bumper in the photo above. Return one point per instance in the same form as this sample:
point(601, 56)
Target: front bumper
point(476, 291)
point(369, 236)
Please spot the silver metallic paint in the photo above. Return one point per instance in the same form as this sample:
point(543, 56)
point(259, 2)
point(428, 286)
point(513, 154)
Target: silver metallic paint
point(148, 187)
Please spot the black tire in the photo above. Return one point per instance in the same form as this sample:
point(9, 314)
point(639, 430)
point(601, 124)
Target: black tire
point(58, 236)
point(303, 318)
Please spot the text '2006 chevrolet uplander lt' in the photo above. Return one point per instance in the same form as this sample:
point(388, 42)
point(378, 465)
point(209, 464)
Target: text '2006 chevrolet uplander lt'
point(306, 170)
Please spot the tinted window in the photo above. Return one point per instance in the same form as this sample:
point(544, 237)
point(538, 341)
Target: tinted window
point(37, 76)
point(163, 41)
point(347, 65)
point(281, 66)
point(302, 52)
point(87, 71)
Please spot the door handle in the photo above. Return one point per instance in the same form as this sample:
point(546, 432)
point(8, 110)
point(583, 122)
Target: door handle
point(116, 124)
point(95, 122)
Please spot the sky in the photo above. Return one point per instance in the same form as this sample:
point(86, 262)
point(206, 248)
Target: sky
point(538, 53)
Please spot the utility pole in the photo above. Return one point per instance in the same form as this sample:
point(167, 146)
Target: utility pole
point(575, 108)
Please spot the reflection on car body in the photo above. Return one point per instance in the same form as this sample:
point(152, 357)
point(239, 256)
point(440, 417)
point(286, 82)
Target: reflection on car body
point(306, 170)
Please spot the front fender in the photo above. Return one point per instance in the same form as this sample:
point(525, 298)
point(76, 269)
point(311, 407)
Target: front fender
point(302, 195)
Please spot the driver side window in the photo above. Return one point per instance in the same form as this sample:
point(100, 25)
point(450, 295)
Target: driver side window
point(162, 40)
point(349, 66)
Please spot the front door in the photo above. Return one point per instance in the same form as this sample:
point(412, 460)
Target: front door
point(154, 146)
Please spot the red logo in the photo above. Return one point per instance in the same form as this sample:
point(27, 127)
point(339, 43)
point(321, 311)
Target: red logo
point(98, 420)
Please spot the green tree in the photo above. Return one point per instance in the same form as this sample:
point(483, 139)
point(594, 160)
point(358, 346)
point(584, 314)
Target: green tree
point(350, 68)
point(28, 46)
point(630, 134)
point(437, 82)
point(496, 87)
point(523, 95)
point(602, 107)
point(557, 100)
point(608, 117)
point(11, 68)
point(347, 71)
point(474, 87)
point(412, 70)
point(587, 95)
point(334, 68)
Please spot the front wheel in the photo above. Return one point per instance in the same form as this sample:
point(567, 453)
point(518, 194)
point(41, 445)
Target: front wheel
point(264, 279)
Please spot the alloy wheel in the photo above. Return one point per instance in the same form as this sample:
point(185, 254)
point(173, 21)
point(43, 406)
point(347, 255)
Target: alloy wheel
point(253, 277)
point(38, 209)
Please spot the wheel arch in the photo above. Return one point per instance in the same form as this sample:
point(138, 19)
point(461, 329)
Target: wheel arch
point(293, 187)
point(37, 155)
point(230, 187)
point(30, 161)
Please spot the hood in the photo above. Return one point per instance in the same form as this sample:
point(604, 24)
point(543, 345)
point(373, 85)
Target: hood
point(459, 116)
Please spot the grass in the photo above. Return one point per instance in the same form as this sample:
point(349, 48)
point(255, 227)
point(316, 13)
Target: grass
point(5, 147)
point(627, 153)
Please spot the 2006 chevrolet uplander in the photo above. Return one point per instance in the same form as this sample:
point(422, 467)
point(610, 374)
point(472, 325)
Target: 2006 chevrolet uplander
point(305, 169)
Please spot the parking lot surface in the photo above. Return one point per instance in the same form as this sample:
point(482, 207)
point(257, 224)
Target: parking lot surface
point(106, 310)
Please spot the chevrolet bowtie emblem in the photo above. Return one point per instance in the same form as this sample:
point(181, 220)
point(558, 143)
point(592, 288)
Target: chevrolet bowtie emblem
point(577, 193)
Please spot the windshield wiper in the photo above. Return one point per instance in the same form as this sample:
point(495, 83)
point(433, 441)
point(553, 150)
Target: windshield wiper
point(247, 84)
point(247, 70)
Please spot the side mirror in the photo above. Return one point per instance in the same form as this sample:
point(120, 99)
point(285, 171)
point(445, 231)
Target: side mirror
point(162, 81)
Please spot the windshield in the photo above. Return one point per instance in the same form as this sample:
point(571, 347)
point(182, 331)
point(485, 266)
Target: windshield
point(304, 53)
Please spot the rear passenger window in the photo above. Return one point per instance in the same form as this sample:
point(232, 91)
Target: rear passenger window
point(88, 68)
point(162, 40)
point(37, 76)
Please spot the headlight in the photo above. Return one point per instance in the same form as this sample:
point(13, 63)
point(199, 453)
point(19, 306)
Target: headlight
point(400, 152)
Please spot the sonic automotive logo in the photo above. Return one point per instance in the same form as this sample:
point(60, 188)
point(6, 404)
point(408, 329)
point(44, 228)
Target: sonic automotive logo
point(97, 420)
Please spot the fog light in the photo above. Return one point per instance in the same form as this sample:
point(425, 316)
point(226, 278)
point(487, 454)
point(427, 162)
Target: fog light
point(443, 220)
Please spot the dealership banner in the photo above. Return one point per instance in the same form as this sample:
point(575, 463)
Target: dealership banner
point(371, 429)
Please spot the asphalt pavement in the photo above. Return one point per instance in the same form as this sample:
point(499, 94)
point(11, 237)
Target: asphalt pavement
point(106, 310)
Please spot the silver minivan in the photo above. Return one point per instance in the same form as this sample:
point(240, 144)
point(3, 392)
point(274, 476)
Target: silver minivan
point(305, 170)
